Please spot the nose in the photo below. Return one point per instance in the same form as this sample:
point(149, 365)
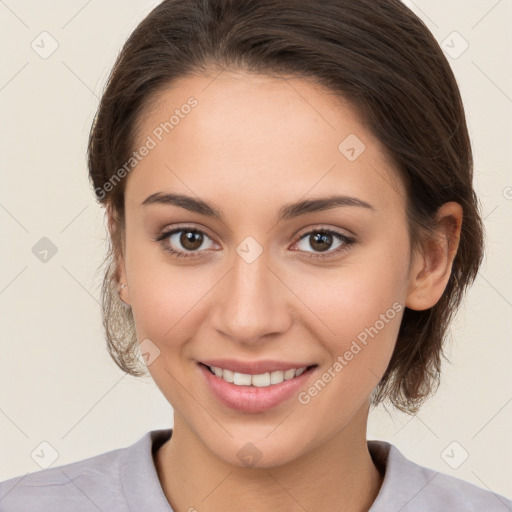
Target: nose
point(252, 302)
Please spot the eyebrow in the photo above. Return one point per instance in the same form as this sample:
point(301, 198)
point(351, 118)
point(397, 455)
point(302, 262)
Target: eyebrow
point(286, 212)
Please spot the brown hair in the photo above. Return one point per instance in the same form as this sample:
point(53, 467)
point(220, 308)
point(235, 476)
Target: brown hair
point(377, 54)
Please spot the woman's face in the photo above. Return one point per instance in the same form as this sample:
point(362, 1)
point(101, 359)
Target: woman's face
point(264, 281)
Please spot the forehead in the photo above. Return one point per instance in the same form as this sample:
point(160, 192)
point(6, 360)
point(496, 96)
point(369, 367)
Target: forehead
point(266, 138)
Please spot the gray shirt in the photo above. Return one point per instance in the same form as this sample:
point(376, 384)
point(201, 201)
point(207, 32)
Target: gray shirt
point(125, 480)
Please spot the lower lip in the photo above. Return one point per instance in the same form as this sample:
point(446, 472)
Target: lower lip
point(253, 398)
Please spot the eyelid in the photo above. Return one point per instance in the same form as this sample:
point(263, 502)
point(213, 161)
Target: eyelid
point(327, 228)
point(184, 227)
point(346, 242)
point(167, 232)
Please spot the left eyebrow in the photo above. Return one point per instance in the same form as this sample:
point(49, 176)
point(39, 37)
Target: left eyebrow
point(289, 211)
point(286, 212)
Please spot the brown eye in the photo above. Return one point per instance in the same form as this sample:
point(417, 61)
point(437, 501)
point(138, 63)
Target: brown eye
point(191, 240)
point(184, 242)
point(322, 241)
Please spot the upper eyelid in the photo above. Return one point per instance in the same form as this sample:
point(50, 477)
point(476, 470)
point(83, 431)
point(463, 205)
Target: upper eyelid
point(190, 227)
point(334, 231)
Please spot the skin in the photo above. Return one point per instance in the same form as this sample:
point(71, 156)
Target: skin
point(252, 144)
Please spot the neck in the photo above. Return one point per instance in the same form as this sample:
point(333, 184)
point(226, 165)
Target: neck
point(336, 475)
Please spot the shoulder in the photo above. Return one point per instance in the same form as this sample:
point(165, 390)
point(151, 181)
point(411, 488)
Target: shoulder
point(408, 487)
point(92, 484)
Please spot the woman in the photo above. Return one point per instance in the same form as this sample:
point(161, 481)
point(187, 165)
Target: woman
point(288, 187)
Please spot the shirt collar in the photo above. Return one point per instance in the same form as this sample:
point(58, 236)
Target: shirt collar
point(404, 480)
point(139, 478)
point(143, 491)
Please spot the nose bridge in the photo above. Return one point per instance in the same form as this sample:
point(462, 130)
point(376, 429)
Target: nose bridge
point(252, 303)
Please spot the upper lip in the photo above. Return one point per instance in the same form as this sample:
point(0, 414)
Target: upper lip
point(254, 367)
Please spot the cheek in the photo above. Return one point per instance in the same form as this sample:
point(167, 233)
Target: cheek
point(363, 318)
point(359, 305)
point(167, 299)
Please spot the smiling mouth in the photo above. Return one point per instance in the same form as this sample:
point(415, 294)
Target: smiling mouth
point(266, 379)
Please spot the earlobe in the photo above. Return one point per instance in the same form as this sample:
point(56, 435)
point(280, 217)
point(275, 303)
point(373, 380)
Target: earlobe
point(122, 291)
point(431, 269)
point(122, 288)
point(116, 238)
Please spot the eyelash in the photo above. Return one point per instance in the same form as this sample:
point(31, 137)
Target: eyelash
point(347, 242)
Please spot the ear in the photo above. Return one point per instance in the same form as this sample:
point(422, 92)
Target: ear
point(431, 270)
point(116, 236)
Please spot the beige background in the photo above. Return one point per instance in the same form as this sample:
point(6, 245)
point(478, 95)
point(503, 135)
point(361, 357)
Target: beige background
point(57, 382)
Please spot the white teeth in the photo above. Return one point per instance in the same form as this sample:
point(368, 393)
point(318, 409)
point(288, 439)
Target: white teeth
point(241, 379)
point(227, 375)
point(276, 377)
point(261, 380)
point(289, 374)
